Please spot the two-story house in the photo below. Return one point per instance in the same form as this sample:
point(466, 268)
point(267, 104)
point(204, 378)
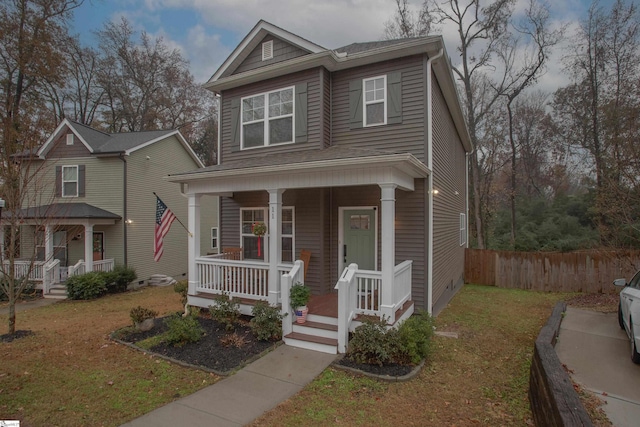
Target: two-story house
point(90, 203)
point(357, 155)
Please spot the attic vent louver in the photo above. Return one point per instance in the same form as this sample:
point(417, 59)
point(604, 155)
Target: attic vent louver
point(267, 50)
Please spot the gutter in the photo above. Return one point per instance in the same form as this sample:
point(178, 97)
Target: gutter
point(430, 182)
point(124, 206)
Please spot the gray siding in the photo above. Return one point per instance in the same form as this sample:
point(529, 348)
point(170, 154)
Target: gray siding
point(405, 137)
point(314, 115)
point(282, 51)
point(326, 107)
point(448, 178)
point(59, 148)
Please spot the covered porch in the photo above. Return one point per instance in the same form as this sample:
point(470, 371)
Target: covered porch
point(377, 285)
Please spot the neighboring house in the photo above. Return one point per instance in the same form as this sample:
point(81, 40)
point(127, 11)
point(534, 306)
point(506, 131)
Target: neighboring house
point(90, 204)
point(358, 155)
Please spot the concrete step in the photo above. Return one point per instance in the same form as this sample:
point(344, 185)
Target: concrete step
point(161, 280)
point(311, 342)
point(57, 292)
point(317, 329)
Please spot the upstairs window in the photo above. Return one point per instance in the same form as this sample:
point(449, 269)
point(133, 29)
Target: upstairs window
point(267, 119)
point(267, 50)
point(70, 181)
point(375, 101)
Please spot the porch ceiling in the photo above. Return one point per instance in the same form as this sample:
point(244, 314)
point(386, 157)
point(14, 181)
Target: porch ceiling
point(331, 167)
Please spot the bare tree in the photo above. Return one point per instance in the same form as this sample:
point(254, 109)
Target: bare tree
point(29, 55)
point(408, 23)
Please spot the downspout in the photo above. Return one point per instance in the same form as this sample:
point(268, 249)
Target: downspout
point(219, 145)
point(466, 195)
point(430, 183)
point(124, 206)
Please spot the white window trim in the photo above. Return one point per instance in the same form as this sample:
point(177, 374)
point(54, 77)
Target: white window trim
point(266, 119)
point(365, 103)
point(216, 238)
point(77, 181)
point(267, 50)
point(266, 236)
point(69, 139)
point(463, 229)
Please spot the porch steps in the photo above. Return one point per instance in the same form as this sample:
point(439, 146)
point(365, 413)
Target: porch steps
point(57, 292)
point(318, 333)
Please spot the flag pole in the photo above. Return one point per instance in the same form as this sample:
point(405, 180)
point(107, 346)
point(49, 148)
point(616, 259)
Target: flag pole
point(177, 219)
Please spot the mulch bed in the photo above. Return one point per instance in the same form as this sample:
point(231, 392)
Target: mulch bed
point(209, 353)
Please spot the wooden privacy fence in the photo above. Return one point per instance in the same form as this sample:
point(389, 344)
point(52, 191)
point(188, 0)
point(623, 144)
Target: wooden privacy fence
point(589, 271)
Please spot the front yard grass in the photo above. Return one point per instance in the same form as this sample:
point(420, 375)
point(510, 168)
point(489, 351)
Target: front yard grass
point(480, 378)
point(69, 372)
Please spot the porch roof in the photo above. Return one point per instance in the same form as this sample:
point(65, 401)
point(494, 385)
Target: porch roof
point(66, 211)
point(333, 166)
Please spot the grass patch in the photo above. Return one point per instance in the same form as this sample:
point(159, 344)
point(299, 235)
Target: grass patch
point(481, 378)
point(69, 372)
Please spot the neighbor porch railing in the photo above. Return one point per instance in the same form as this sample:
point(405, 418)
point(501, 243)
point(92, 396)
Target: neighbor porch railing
point(360, 293)
point(51, 275)
point(21, 269)
point(80, 267)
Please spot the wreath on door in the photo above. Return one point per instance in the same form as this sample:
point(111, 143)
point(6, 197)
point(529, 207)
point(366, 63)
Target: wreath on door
point(259, 229)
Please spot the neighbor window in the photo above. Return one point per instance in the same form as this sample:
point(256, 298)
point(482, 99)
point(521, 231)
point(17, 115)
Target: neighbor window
point(375, 101)
point(267, 119)
point(463, 229)
point(214, 237)
point(250, 216)
point(69, 181)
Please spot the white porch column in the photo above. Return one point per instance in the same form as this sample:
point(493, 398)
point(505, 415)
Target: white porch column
point(48, 243)
point(193, 215)
point(388, 214)
point(275, 243)
point(88, 247)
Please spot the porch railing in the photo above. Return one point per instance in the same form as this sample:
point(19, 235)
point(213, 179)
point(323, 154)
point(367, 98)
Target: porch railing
point(288, 279)
point(51, 275)
point(77, 269)
point(360, 293)
point(244, 279)
point(80, 267)
point(23, 268)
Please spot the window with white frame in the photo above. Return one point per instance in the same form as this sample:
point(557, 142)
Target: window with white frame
point(214, 238)
point(463, 229)
point(375, 101)
point(267, 119)
point(69, 181)
point(250, 216)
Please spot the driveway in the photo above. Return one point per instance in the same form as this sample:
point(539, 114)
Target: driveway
point(593, 346)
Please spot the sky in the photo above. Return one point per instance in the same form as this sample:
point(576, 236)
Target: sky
point(207, 31)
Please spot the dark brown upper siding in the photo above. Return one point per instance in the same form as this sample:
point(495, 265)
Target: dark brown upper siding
point(314, 117)
point(448, 178)
point(282, 51)
point(411, 217)
point(60, 149)
point(406, 137)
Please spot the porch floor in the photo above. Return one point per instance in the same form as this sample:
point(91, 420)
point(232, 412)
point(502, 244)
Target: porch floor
point(324, 305)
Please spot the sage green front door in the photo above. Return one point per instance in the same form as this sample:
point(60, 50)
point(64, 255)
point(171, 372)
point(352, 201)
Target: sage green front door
point(359, 238)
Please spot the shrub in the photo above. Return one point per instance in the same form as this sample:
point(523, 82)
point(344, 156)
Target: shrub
point(182, 287)
point(182, 330)
point(119, 278)
point(266, 323)
point(415, 337)
point(86, 286)
point(372, 343)
point(225, 310)
point(233, 340)
point(139, 314)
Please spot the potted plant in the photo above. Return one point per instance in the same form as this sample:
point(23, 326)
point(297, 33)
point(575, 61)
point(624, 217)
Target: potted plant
point(299, 297)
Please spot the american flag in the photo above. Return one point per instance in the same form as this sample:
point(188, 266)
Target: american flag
point(164, 219)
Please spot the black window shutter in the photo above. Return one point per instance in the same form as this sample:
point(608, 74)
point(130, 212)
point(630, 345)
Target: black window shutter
point(235, 124)
point(301, 113)
point(394, 91)
point(58, 181)
point(81, 180)
point(355, 103)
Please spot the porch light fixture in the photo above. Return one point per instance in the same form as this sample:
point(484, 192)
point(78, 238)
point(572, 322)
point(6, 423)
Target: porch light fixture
point(434, 192)
point(128, 221)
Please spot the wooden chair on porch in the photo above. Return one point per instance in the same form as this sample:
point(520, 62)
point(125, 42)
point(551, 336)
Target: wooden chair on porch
point(232, 253)
point(305, 256)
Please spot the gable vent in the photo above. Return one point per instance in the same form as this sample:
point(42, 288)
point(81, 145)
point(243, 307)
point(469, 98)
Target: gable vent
point(69, 139)
point(267, 50)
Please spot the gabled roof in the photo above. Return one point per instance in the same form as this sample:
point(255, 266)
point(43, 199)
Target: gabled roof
point(102, 143)
point(253, 39)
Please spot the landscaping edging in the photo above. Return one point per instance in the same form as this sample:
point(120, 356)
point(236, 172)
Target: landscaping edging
point(553, 400)
point(414, 372)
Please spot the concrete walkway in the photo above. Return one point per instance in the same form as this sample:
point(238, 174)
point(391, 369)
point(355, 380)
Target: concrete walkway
point(240, 398)
point(593, 346)
point(22, 306)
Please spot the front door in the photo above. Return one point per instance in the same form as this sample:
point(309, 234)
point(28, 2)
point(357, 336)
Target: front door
point(359, 238)
point(98, 246)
